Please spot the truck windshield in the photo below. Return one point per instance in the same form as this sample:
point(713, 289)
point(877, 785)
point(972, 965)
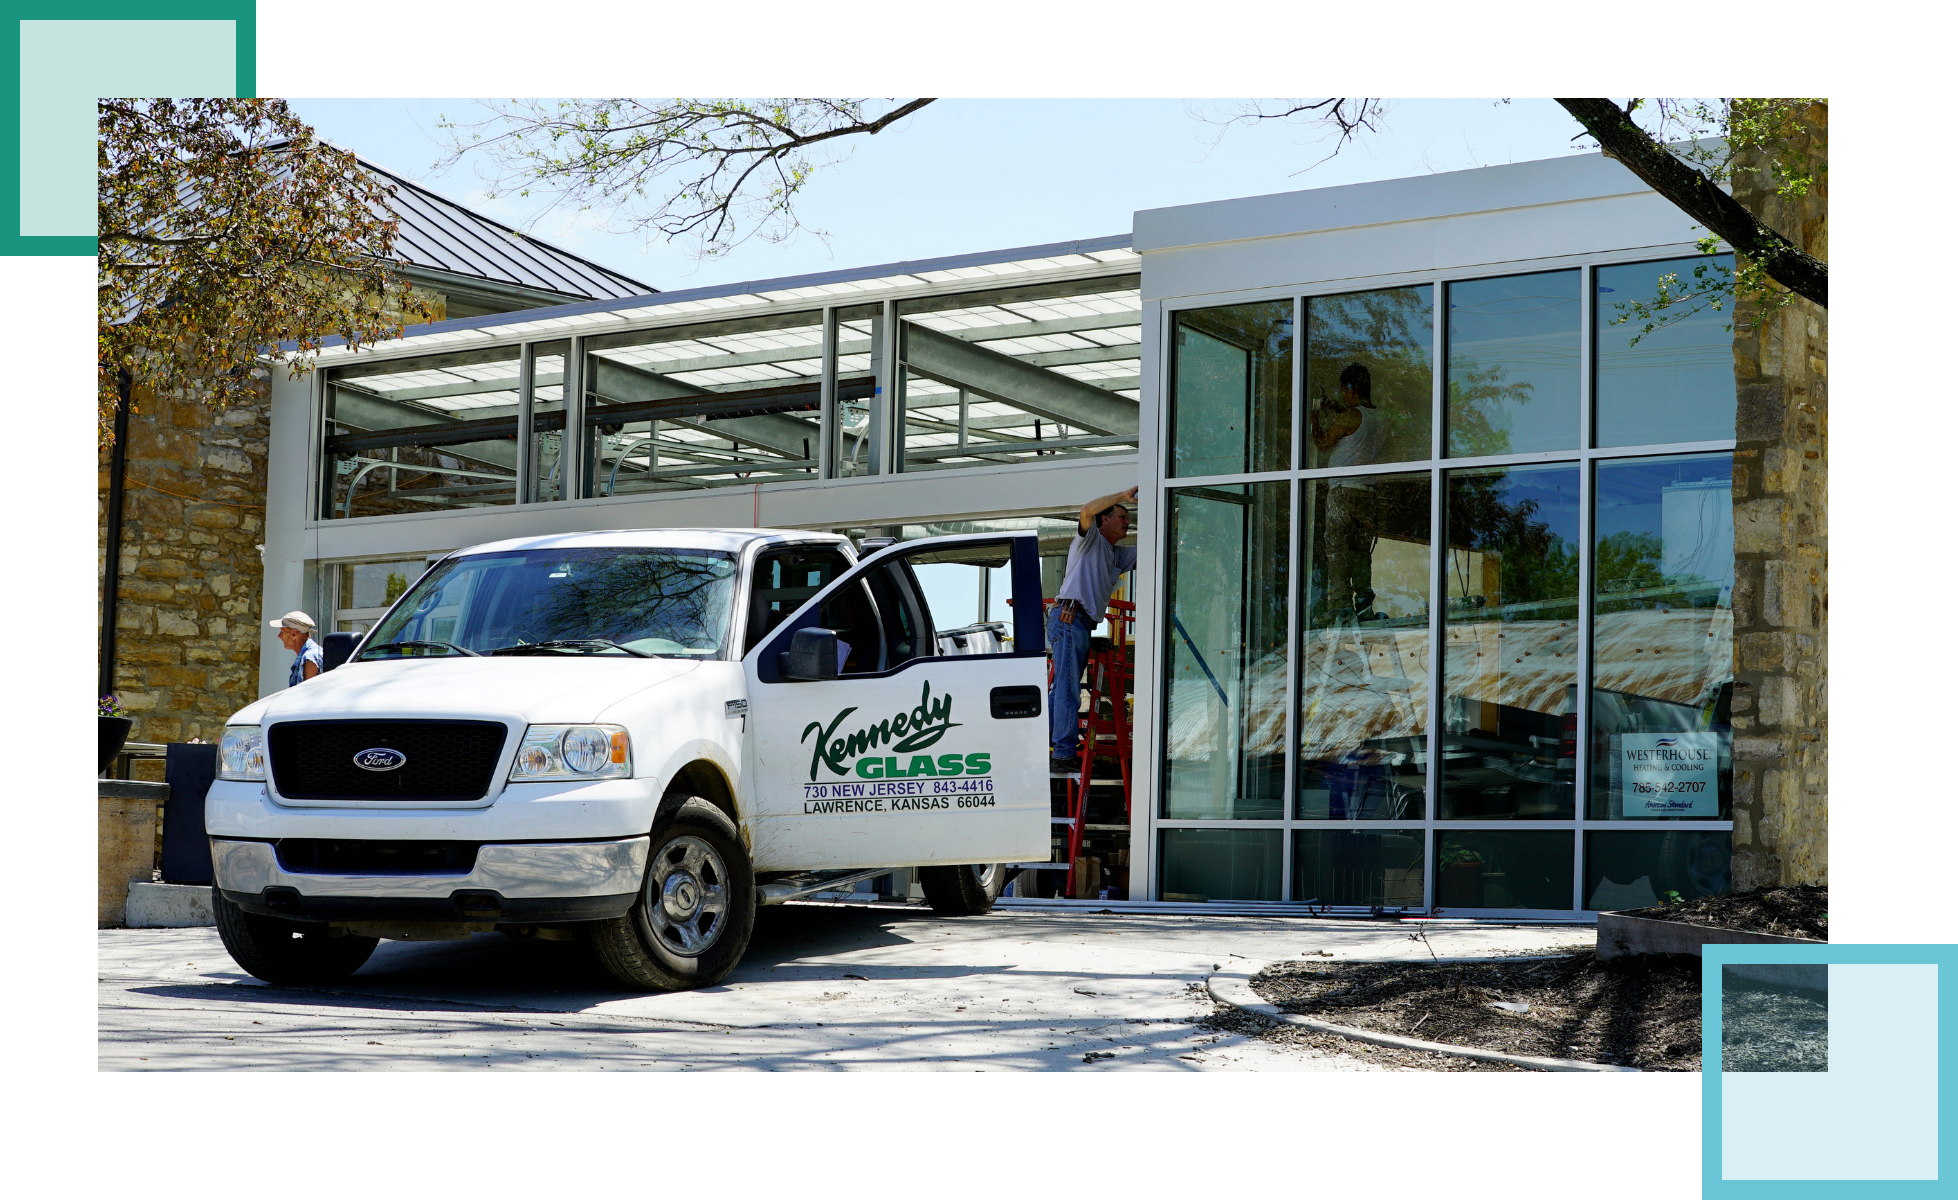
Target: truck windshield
point(619, 602)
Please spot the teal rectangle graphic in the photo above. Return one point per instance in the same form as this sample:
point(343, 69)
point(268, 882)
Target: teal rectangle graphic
point(1874, 1116)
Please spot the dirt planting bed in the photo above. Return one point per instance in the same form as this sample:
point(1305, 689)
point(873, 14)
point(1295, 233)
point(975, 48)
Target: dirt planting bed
point(1642, 1012)
point(1799, 911)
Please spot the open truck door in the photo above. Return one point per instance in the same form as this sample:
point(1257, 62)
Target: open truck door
point(868, 747)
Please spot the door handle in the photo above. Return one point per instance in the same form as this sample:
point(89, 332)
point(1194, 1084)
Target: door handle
point(1019, 700)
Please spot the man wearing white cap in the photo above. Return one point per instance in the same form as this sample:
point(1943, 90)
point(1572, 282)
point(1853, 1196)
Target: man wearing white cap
point(296, 634)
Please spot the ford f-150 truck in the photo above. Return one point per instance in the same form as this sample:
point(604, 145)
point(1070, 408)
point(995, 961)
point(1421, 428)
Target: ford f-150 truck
point(635, 738)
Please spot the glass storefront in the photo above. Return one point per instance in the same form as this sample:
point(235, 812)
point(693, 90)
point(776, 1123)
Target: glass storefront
point(1498, 685)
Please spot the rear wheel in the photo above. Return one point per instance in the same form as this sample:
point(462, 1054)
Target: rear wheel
point(696, 906)
point(963, 891)
point(292, 952)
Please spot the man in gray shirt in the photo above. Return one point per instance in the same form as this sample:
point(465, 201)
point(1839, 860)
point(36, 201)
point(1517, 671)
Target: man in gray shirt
point(1093, 563)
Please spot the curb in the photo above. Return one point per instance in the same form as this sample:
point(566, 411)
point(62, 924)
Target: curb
point(1234, 988)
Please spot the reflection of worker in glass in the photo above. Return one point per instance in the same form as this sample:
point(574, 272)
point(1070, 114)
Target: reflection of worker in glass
point(1348, 432)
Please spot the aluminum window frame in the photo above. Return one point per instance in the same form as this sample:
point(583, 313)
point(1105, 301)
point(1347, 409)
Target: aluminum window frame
point(527, 335)
point(1153, 588)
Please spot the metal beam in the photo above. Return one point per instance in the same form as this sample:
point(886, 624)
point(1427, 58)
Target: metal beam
point(780, 432)
point(382, 418)
point(1012, 381)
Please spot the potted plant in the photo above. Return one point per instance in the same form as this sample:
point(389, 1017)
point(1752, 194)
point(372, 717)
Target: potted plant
point(111, 731)
point(1460, 882)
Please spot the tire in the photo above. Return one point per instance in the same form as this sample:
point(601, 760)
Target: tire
point(696, 906)
point(964, 891)
point(289, 952)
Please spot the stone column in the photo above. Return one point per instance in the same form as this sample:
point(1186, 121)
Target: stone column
point(1781, 545)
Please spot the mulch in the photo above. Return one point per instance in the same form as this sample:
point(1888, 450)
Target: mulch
point(1798, 911)
point(1772, 1029)
point(1642, 1012)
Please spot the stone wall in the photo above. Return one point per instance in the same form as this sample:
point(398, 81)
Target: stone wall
point(190, 577)
point(1781, 544)
point(191, 580)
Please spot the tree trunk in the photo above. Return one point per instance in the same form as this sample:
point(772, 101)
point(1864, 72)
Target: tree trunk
point(1701, 199)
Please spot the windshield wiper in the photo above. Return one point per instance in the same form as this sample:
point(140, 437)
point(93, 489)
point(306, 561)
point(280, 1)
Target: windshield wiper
point(566, 644)
point(417, 642)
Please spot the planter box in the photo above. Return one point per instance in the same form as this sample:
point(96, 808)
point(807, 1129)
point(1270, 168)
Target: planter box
point(125, 842)
point(1621, 934)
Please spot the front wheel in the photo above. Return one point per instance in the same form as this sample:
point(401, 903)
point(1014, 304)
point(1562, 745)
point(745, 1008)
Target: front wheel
point(963, 891)
point(696, 906)
point(289, 952)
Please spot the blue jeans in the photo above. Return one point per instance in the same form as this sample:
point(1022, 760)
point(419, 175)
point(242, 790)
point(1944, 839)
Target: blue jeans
point(1068, 642)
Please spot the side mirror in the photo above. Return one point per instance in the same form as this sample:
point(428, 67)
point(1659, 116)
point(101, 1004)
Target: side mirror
point(336, 648)
point(811, 656)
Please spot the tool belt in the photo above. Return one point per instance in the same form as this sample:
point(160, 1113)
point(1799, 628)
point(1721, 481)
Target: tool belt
point(1069, 609)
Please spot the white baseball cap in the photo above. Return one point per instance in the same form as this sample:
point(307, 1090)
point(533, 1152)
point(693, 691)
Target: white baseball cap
point(293, 620)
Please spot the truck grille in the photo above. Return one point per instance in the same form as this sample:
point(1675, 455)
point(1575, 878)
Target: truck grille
point(443, 760)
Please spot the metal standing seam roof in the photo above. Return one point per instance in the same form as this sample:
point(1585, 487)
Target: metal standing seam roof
point(438, 234)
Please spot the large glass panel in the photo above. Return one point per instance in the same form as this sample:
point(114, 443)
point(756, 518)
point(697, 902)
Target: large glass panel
point(1673, 382)
point(1224, 710)
point(426, 434)
point(1637, 870)
point(726, 404)
point(376, 585)
point(1351, 867)
point(1222, 864)
point(1513, 364)
point(1363, 662)
point(1369, 377)
point(1482, 868)
point(1021, 374)
point(365, 590)
point(859, 366)
point(1509, 674)
point(1662, 645)
point(1231, 390)
point(547, 423)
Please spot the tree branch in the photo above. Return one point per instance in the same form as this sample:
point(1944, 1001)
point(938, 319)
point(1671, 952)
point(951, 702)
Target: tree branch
point(1701, 199)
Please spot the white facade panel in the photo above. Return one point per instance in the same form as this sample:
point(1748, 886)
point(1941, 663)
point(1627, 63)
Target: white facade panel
point(1488, 242)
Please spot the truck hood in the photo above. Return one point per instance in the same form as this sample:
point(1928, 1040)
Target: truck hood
point(539, 690)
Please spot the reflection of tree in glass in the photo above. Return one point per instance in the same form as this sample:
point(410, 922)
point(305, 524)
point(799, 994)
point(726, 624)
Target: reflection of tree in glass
point(397, 584)
point(1478, 410)
point(1628, 576)
point(1391, 334)
point(1629, 562)
point(628, 597)
point(1263, 332)
point(1533, 563)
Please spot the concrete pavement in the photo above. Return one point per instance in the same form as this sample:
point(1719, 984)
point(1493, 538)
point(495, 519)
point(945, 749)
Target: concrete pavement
point(823, 987)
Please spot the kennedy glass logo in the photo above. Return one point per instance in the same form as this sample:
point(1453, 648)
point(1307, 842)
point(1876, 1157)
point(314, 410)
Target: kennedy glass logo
point(903, 733)
point(380, 758)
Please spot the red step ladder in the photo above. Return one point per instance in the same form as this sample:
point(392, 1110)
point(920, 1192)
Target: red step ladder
point(1111, 677)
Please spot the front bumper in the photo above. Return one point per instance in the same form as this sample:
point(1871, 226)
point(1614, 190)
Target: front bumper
point(523, 882)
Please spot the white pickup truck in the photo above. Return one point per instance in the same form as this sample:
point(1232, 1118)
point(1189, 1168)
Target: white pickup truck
point(635, 738)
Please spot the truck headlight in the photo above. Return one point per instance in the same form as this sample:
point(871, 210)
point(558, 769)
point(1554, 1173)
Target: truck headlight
point(241, 754)
point(572, 752)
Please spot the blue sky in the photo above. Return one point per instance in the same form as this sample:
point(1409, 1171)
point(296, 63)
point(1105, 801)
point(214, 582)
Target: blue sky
point(969, 175)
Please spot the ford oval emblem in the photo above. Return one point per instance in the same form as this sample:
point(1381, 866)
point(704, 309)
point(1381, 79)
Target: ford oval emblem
point(380, 759)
